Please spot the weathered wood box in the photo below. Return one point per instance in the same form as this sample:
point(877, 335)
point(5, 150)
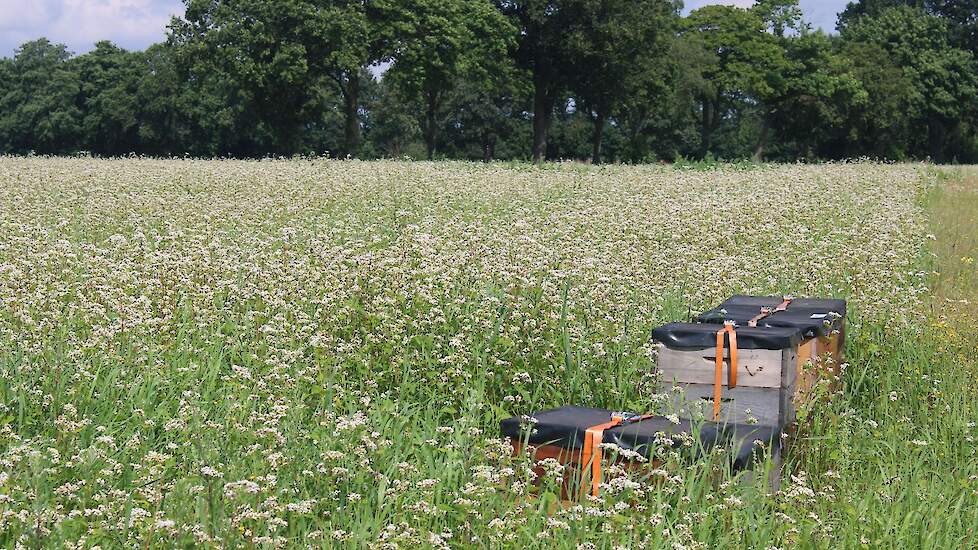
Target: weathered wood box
point(761, 392)
point(821, 322)
point(751, 360)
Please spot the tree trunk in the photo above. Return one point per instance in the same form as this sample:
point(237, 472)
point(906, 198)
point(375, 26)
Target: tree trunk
point(762, 139)
point(488, 145)
point(431, 127)
point(351, 112)
point(543, 106)
point(596, 138)
point(706, 131)
point(429, 137)
point(935, 139)
point(636, 149)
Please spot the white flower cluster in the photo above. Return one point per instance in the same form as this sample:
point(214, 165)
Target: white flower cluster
point(232, 353)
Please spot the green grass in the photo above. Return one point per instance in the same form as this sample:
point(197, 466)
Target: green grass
point(256, 401)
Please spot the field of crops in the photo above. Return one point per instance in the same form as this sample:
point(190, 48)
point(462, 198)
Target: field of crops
point(317, 353)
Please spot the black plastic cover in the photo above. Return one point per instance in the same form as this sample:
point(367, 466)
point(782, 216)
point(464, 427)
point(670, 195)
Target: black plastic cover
point(744, 442)
point(693, 336)
point(565, 427)
point(813, 316)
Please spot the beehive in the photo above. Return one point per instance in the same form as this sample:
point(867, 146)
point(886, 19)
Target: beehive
point(745, 401)
point(765, 381)
point(561, 434)
point(821, 322)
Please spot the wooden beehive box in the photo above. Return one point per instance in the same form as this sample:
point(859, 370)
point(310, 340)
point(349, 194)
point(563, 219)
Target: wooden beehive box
point(766, 380)
point(559, 434)
point(821, 322)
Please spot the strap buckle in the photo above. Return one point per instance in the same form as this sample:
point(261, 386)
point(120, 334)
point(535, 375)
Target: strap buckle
point(625, 417)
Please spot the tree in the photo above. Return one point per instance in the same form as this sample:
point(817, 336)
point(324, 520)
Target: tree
point(780, 16)
point(543, 52)
point(109, 78)
point(393, 122)
point(961, 16)
point(861, 8)
point(358, 35)
point(598, 79)
point(943, 80)
point(962, 20)
point(6, 76)
point(217, 115)
point(447, 41)
point(656, 117)
point(879, 127)
point(487, 113)
point(38, 111)
point(615, 46)
point(748, 65)
point(268, 50)
point(280, 55)
point(166, 126)
point(821, 95)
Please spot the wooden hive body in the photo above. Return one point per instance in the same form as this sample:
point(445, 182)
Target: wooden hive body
point(766, 385)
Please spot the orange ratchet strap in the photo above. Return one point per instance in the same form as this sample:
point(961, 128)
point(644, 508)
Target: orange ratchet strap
point(765, 311)
point(593, 437)
point(728, 328)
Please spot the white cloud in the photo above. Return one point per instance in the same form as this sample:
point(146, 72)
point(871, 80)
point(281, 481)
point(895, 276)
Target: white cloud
point(20, 13)
point(820, 13)
point(132, 24)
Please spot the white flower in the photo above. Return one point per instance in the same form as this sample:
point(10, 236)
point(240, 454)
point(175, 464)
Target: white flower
point(207, 471)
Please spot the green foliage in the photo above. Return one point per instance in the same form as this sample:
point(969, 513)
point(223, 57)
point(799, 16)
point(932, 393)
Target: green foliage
point(544, 53)
point(38, 109)
point(960, 16)
point(275, 54)
point(448, 42)
point(395, 131)
point(487, 116)
point(749, 63)
point(615, 80)
point(611, 45)
point(941, 81)
point(749, 60)
point(822, 93)
point(109, 100)
point(780, 15)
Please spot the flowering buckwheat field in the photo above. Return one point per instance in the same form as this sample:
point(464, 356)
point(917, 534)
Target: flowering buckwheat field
point(317, 353)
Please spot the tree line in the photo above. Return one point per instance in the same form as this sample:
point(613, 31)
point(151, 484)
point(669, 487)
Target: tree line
point(601, 80)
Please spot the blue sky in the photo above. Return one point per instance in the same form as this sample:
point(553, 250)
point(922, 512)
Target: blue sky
point(132, 24)
point(135, 24)
point(820, 13)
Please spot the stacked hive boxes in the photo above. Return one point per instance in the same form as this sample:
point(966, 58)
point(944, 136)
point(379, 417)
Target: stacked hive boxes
point(734, 379)
point(820, 322)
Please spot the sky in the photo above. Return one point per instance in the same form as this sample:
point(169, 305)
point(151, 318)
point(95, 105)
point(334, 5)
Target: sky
point(135, 24)
point(820, 13)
